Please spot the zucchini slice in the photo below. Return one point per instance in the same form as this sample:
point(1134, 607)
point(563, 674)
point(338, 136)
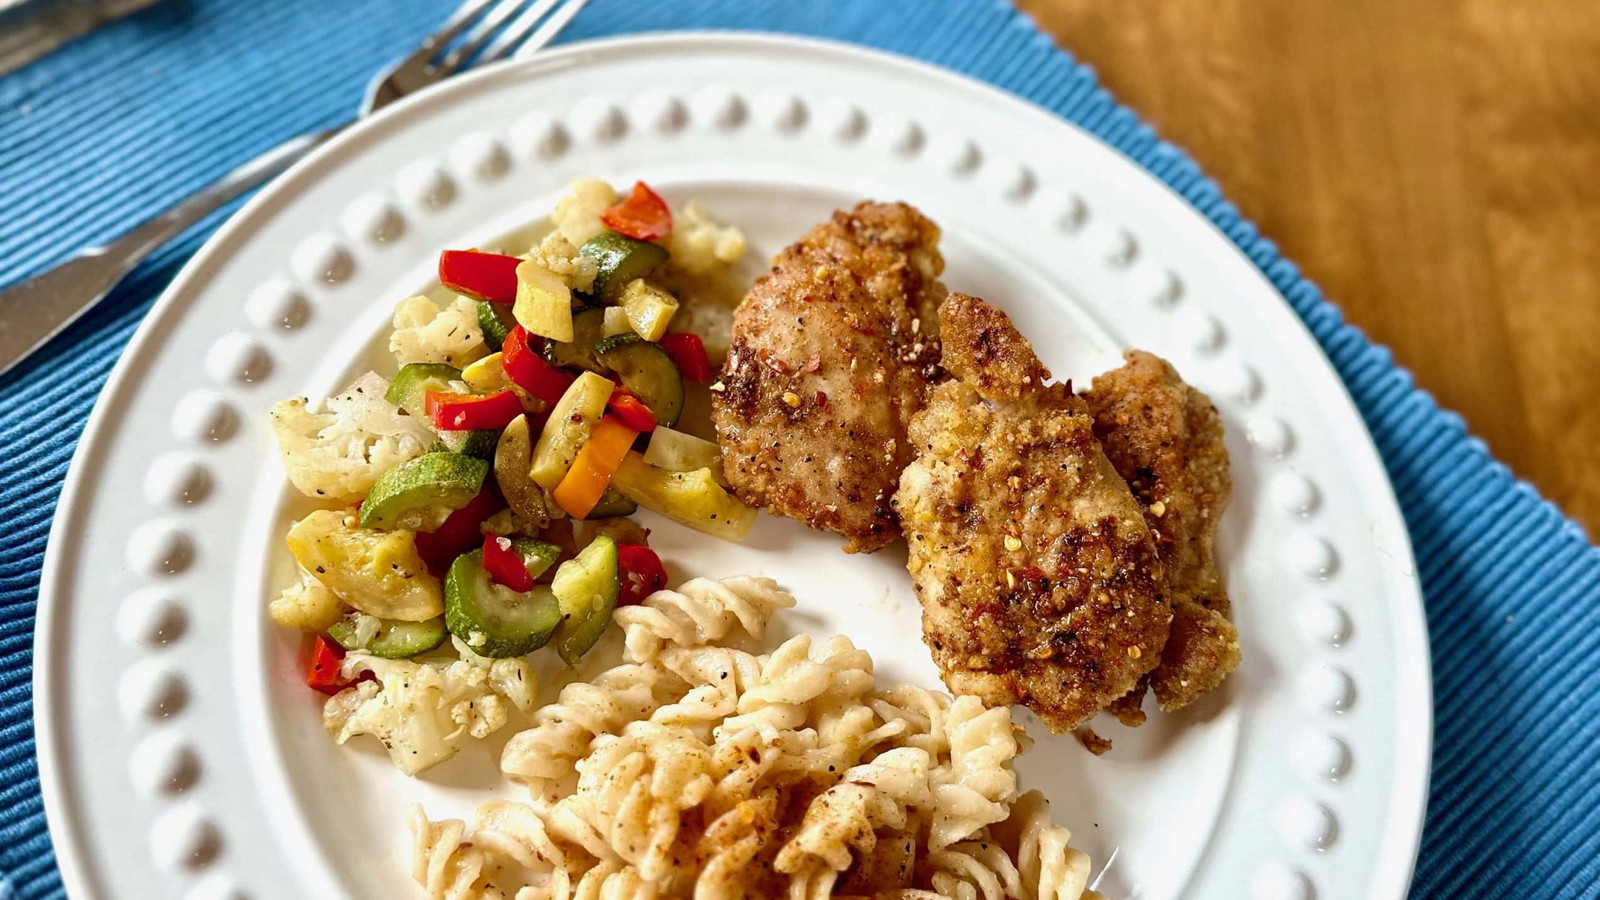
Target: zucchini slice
point(648, 371)
point(492, 619)
point(377, 572)
point(421, 493)
point(495, 321)
point(537, 556)
point(513, 456)
point(649, 309)
point(676, 451)
point(611, 505)
point(567, 428)
point(586, 587)
point(616, 322)
point(389, 638)
point(587, 328)
point(410, 387)
point(478, 444)
point(688, 498)
point(620, 260)
point(544, 302)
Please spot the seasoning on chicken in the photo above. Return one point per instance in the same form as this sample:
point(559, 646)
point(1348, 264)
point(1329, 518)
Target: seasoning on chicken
point(1037, 574)
point(1165, 438)
point(832, 353)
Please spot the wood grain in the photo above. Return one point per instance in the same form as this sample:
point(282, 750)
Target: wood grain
point(1433, 164)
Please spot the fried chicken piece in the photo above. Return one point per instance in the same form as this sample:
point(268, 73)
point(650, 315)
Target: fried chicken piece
point(1038, 576)
point(1165, 438)
point(832, 353)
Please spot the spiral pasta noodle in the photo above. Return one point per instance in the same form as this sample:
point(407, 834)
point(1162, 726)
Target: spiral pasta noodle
point(697, 770)
point(699, 612)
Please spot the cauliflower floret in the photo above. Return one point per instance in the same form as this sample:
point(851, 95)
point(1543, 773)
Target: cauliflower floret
point(338, 454)
point(424, 333)
point(699, 245)
point(307, 605)
point(561, 256)
point(423, 712)
point(577, 214)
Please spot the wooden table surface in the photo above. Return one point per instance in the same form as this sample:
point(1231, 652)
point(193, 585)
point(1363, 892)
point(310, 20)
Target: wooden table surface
point(1434, 165)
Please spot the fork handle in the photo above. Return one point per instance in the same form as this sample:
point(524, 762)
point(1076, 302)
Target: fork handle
point(36, 310)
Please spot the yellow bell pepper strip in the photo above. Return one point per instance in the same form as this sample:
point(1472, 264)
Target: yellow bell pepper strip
point(597, 461)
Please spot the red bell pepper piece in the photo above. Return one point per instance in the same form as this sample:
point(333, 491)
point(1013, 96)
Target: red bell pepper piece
point(324, 675)
point(689, 352)
point(642, 215)
point(471, 412)
point(459, 533)
point(528, 370)
point(505, 564)
point(632, 411)
point(481, 276)
point(641, 571)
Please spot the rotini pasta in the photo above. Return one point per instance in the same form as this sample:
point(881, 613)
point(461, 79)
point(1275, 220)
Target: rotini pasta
point(696, 770)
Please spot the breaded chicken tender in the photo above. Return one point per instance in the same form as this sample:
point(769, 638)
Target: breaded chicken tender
point(1165, 438)
point(832, 353)
point(1037, 573)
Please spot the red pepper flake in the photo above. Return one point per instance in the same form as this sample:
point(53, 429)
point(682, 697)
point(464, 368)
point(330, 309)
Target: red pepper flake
point(814, 363)
point(973, 458)
point(822, 400)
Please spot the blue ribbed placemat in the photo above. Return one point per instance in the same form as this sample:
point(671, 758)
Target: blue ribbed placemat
point(122, 123)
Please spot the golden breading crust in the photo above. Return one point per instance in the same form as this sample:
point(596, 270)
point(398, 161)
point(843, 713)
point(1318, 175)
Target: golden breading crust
point(1165, 438)
point(832, 353)
point(1037, 574)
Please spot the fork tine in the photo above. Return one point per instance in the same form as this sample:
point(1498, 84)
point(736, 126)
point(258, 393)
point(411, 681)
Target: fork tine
point(512, 38)
point(514, 34)
point(461, 18)
point(481, 32)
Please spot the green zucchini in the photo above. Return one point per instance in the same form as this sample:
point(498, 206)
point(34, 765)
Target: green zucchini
point(513, 456)
point(612, 505)
point(620, 260)
point(646, 370)
point(538, 556)
point(479, 444)
point(495, 320)
point(492, 619)
point(567, 428)
point(689, 498)
point(587, 328)
point(390, 638)
point(586, 588)
point(410, 387)
point(421, 493)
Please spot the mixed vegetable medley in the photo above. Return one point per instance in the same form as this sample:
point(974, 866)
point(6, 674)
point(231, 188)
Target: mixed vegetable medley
point(484, 490)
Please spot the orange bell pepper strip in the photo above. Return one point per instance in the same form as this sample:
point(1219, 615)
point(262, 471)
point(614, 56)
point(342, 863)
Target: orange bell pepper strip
point(598, 459)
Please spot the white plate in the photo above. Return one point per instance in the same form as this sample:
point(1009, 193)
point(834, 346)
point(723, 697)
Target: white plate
point(181, 755)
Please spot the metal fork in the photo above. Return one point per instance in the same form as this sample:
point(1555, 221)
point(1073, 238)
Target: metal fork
point(36, 310)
